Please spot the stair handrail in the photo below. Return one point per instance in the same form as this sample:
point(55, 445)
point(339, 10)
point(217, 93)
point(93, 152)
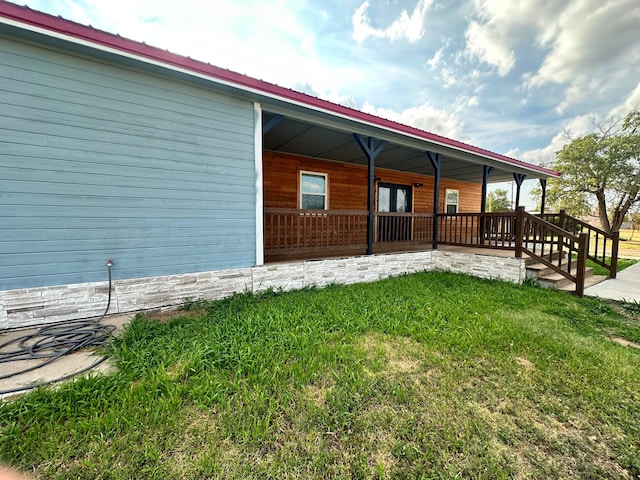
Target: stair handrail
point(573, 224)
point(534, 235)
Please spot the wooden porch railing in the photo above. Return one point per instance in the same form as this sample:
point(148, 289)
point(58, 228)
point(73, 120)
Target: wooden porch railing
point(297, 233)
point(561, 242)
point(482, 230)
point(413, 228)
point(521, 232)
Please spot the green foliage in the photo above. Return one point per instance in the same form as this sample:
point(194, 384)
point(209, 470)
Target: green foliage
point(600, 170)
point(498, 201)
point(432, 375)
point(632, 306)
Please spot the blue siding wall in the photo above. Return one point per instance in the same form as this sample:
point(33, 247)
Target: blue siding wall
point(99, 161)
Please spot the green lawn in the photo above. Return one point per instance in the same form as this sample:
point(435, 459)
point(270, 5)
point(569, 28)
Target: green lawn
point(432, 375)
point(621, 265)
point(629, 243)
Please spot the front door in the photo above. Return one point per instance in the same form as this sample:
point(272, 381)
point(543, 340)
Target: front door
point(393, 198)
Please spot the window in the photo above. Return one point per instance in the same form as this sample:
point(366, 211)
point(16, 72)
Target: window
point(313, 190)
point(451, 201)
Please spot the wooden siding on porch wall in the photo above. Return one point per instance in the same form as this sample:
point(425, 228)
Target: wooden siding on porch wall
point(347, 188)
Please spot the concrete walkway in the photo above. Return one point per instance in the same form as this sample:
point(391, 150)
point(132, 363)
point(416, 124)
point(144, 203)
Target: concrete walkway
point(625, 287)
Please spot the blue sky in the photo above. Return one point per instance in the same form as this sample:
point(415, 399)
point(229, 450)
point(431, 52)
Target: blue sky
point(516, 77)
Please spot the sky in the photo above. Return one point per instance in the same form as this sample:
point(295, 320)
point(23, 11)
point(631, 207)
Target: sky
point(518, 77)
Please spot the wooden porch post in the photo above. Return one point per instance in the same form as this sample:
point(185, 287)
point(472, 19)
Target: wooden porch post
point(519, 231)
point(486, 171)
point(614, 255)
point(435, 160)
point(371, 152)
point(583, 249)
point(519, 178)
point(543, 184)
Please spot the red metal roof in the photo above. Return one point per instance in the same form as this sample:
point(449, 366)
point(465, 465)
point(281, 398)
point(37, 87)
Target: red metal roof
point(59, 25)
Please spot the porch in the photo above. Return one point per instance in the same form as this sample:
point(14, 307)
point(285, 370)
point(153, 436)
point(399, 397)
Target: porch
point(337, 187)
point(556, 241)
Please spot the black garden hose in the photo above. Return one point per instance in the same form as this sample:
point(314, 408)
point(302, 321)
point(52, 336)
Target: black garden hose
point(53, 341)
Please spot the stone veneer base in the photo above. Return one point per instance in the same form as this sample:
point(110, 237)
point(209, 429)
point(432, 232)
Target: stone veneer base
point(42, 305)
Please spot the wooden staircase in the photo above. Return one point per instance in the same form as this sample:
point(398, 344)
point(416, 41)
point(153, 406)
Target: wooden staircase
point(547, 241)
point(549, 278)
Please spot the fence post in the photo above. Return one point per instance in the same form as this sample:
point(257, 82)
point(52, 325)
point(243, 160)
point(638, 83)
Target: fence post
point(583, 243)
point(614, 254)
point(562, 217)
point(519, 230)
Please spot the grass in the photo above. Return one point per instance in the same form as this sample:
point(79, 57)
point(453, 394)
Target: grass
point(630, 243)
point(621, 265)
point(432, 375)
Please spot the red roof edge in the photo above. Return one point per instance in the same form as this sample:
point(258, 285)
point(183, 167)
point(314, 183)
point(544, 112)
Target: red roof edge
point(59, 25)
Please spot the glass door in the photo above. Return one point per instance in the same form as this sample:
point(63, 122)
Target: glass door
point(394, 198)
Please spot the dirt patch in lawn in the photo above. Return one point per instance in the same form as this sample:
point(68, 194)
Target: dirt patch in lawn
point(625, 343)
point(164, 316)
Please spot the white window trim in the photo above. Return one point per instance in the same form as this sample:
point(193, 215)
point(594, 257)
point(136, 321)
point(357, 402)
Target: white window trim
point(446, 203)
point(326, 187)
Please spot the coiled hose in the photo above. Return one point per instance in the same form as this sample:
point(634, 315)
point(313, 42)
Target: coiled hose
point(51, 342)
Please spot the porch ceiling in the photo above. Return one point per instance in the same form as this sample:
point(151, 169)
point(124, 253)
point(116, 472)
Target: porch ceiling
point(303, 137)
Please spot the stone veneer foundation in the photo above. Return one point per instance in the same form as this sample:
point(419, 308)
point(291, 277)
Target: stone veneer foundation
point(36, 306)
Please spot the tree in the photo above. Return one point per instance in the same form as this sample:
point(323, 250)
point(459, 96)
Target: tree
point(600, 170)
point(498, 201)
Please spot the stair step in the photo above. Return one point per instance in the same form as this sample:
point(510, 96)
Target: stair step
point(536, 270)
point(589, 281)
point(556, 280)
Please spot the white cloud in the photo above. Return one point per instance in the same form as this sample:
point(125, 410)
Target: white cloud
point(588, 35)
point(486, 44)
point(498, 26)
point(582, 44)
point(434, 61)
point(260, 39)
point(424, 117)
point(409, 26)
point(632, 101)
point(449, 77)
point(473, 101)
point(593, 51)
